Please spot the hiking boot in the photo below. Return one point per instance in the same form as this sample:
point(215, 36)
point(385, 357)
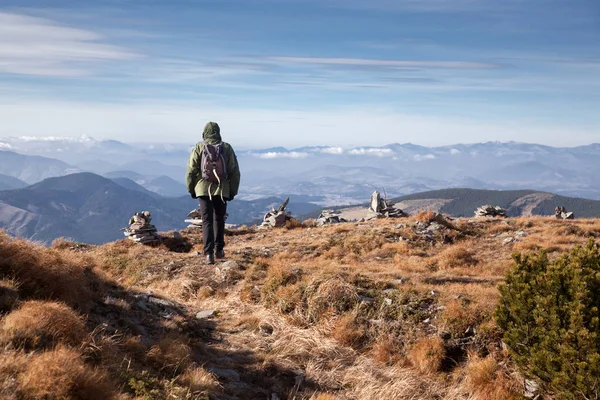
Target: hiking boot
point(220, 254)
point(210, 259)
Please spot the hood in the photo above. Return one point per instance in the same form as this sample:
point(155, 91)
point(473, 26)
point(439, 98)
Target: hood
point(212, 133)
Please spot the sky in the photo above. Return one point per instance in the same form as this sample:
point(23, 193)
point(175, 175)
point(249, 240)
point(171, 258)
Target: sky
point(303, 72)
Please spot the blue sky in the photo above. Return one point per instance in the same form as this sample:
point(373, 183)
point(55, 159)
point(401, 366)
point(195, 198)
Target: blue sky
point(303, 72)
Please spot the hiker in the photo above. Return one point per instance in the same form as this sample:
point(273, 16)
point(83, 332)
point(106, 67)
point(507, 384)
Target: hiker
point(213, 177)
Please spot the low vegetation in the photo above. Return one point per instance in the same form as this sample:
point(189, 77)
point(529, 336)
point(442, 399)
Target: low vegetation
point(390, 309)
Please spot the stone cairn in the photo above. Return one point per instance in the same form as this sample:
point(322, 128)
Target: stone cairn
point(140, 229)
point(561, 213)
point(490, 211)
point(194, 219)
point(276, 218)
point(328, 217)
point(380, 208)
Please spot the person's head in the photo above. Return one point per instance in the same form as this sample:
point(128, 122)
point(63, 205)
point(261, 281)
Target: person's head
point(212, 132)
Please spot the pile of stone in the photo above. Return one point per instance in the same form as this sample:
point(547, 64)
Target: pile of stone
point(490, 211)
point(561, 213)
point(328, 217)
point(140, 229)
point(277, 218)
point(381, 208)
point(194, 219)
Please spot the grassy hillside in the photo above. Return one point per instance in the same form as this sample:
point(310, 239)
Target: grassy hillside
point(354, 311)
point(465, 201)
point(583, 208)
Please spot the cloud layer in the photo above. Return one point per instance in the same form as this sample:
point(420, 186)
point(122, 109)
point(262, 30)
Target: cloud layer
point(38, 46)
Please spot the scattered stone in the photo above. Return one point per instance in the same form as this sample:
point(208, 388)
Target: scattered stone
point(161, 302)
point(228, 374)
point(206, 314)
point(387, 302)
point(532, 389)
point(509, 240)
point(226, 270)
point(561, 213)
point(521, 234)
point(365, 299)
point(328, 217)
point(490, 211)
point(381, 208)
point(266, 329)
point(140, 229)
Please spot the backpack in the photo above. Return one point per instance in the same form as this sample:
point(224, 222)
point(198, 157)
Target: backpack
point(213, 163)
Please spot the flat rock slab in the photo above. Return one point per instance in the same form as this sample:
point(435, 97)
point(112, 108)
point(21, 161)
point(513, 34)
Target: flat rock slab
point(206, 314)
point(228, 374)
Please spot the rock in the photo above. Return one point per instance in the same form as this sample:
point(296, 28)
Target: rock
point(226, 270)
point(380, 208)
point(521, 234)
point(387, 302)
point(266, 329)
point(274, 396)
point(228, 374)
point(490, 211)
point(509, 240)
point(206, 314)
point(277, 218)
point(365, 299)
point(328, 217)
point(561, 213)
point(161, 302)
point(532, 389)
point(140, 229)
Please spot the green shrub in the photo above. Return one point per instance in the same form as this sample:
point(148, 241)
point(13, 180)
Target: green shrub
point(549, 313)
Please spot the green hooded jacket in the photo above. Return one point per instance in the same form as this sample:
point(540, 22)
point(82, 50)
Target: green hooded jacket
point(193, 177)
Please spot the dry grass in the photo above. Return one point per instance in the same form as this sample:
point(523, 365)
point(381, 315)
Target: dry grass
point(350, 332)
point(46, 273)
point(199, 380)
point(458, 256)
point(487, 379)
point(459, 316)
point(332, 294)
point(348, 307)
point(9, 294)
point(172, 354)
point(427, 354)
point(388, 350)
point(40, 324)
point(61, 374)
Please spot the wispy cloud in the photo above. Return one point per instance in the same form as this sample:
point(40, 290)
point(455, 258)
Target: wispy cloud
point(291, 154)
point(39, 46)
point(372, 152)
point(424, 157)
point(384, 63)
point(332, 150)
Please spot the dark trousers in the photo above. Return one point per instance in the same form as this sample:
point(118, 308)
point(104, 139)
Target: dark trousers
point(213, 223)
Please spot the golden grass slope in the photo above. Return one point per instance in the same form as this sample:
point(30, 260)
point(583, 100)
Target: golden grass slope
point(374, 310)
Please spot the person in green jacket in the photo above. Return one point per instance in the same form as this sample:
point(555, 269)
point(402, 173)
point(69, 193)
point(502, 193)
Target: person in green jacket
point(213, 196)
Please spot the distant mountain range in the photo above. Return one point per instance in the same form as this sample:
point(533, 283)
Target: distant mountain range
point(333, 174)
point(90, 208)
point(9, 182)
